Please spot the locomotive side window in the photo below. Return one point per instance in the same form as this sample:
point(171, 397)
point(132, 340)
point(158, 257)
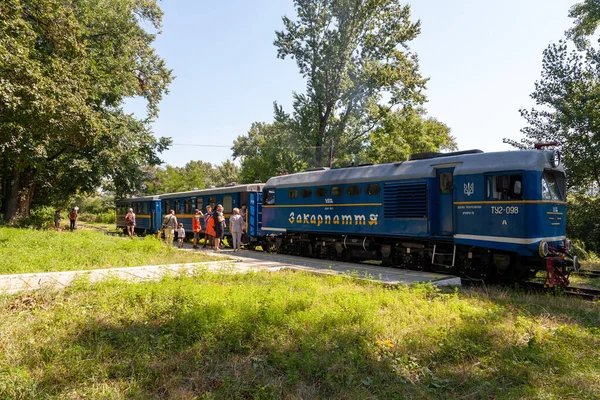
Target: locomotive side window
point(505, 187)
point(337, 191)
point(292, 194)
point(446, 182)
point(306, 192)
point(353, 190)
point(321, 192)
point(373, 189)
point(269, 196)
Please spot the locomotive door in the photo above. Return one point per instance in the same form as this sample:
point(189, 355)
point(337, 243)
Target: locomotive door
point(443, 224)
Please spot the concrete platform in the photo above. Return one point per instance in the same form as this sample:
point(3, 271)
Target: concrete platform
point(238, 262)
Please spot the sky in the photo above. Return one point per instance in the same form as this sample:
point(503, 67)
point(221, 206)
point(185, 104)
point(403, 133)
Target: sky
point(482, 58)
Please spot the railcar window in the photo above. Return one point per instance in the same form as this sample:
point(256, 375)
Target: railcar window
point(337, 191)
point(292, 194)
point(550, 187)
point(177, 205)
point(212, 201)
point(188, 206)
point(353, 190)
point(446, 182)
point(200, 204)
point(269, 196)
point(321, 192)
point(227, 204)
point(505, 187)
point(306, 192)
point(373, 189)
point(167, 206)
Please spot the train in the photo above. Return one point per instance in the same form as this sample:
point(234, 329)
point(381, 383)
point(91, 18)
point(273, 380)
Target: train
point(481, 216)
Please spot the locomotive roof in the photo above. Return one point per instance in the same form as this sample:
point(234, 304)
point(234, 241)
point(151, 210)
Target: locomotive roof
point(255, 187)
point(464, 164)
point(140, 198)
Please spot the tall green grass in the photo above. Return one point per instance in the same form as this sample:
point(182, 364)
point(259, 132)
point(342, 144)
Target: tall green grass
point(293, 335)
point(29, 250)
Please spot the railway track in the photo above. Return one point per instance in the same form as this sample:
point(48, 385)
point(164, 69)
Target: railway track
point(588, 273)
point(583, 293)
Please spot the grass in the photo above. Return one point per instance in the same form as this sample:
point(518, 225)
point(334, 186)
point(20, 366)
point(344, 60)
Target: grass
point(294, 335)
point(28, 250)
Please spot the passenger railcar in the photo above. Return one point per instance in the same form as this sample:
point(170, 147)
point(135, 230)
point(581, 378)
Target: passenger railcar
point(473, 214)
point(147, 211)
point(230, 197)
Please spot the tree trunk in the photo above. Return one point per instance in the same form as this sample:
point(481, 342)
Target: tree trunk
point(19, 196)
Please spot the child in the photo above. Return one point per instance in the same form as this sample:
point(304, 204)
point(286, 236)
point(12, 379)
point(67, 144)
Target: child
point(180, 236)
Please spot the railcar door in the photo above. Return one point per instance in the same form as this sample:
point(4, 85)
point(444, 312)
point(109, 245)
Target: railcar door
point(443, 223)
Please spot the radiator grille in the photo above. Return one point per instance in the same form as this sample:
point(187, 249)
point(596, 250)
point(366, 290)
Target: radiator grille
point(405, 200)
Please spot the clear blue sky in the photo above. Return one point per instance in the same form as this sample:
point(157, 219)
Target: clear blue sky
point(482, 58)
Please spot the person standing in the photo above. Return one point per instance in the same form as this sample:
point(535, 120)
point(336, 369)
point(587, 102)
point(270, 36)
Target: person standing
point(209, 230)
point(196, 226)
point(57, 220)
point(169, 225)
point(180, 236)
point(236, 227)
point(73, 219)
point(219, 226)
point(130, 222)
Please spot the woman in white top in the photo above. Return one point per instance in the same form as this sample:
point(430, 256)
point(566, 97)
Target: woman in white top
point(236, 227)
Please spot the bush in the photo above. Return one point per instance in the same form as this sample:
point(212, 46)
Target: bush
point(582, 220)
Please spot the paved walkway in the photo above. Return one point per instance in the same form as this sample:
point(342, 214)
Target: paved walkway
point(240, 262)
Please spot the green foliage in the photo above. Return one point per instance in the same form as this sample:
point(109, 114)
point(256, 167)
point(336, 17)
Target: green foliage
point(351, 54)
point(29, 250)
point(405, 132)
point(66, 69)
point(587, 18)
point(194, 175)
point(582, 220)
point(294, 335)
point(267, 151)
point(568, 95)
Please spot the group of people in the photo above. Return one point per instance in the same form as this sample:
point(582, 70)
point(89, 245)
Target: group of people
point(72, 218)
point(214, 227)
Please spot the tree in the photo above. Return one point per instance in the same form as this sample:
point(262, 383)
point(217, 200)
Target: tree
point(66, 68)
point(587, 18)
point(351, 53)
point(268, 150)
point(405, 132)
point(568, 94)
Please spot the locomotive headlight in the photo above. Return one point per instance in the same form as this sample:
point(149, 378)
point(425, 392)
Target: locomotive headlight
point(544, 249)
point(568, 245)
point(556, 159)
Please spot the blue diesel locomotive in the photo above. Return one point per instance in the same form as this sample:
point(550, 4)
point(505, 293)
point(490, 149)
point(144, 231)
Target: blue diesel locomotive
point(477, 215)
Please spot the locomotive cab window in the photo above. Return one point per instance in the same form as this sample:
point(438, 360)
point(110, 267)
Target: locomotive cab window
point(269, 196)
point(552, 186)
point(292, 194)
point(505, 187)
